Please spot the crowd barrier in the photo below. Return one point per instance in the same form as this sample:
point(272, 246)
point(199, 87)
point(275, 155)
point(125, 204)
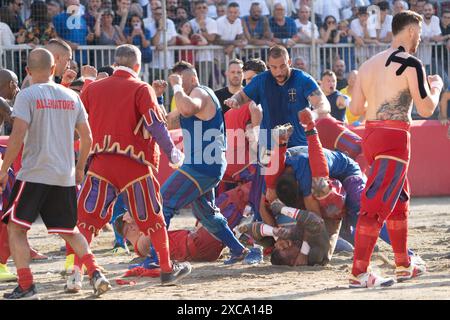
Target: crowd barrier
point(429, 171)
point(211, 61)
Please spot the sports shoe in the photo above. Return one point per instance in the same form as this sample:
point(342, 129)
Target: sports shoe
point(417, 260)
point(255, 256)
point(148, 263)
point(414, 270)
point(179, 271)
point(74, 281)
point(19, 294)
point(100, 283)
point(5, 274)
point(235, 259)
point(370, 280)
point(118, 250)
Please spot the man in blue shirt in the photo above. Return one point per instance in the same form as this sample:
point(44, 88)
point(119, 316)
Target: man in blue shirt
point(71, 26)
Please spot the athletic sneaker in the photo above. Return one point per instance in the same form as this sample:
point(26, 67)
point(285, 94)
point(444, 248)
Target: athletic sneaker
point(148, 263)
point(235, 259)
point(5, 274)
point(414, 270)
point(179, 271)
point(100, 283)
point(74, 281)
point(417, 260)
point(19, 294)
point(255, 256)
point(370, 280)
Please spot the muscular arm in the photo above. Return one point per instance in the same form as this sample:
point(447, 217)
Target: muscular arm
point(240, 98)
point(173, 120)
point(84, 132)
point(188, 106)
point(425, 106)
point(358, 104)
point(443, 116)
point(319, 102)
point(266, 214)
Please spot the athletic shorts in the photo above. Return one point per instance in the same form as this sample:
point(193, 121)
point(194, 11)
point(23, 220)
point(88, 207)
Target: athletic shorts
point(56, 205)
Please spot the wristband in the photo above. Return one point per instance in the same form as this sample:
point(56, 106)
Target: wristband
point(177, 88)
point(160, 100)
point(305, 248)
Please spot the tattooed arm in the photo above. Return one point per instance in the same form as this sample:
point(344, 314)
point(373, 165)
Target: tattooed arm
point(173, 120)
point(319, 102)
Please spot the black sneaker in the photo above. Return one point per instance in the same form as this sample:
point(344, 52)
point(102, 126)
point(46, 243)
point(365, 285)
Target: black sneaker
point(179, 271)
point(100, 283)
point(18, 293)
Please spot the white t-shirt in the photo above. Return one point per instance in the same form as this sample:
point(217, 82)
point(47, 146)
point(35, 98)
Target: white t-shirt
point(211, 28)
point(158, 56)
point(6, 36)
point(52, 112)
point(307, 28)
point(432, 29)
point(357, 28)
point(318, 7)
point(331, 8)
point(386, 27)
point(228, 31)
point(244, 7)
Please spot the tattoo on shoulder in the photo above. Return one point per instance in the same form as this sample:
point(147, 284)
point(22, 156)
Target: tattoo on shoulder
point(397, 108)
point(173, 122)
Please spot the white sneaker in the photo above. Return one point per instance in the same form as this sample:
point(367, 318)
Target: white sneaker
point(74, 281)
point(414, 270)
point(370, 280)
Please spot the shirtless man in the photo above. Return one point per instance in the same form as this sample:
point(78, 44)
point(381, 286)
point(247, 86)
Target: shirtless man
point(402, 80)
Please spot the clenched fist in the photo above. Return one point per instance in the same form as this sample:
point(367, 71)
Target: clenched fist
point(175, 79)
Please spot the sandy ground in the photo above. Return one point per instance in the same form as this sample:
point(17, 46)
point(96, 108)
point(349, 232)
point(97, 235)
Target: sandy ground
point(429, 236)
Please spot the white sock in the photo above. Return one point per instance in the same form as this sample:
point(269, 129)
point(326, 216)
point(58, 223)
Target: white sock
point(290, 212)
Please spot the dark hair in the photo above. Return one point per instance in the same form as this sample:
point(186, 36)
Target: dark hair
point(39, 12)
point(277, 51)
point(235, 61)
point(131, 18)
point(276, 258)
point(108, 69)
point(327, 73)
point(362, 10)
point(404, 19)
point(256, 65)
point(233, 5)
point(197, 2)
point(383, 5)
point(181, 66)
point(287, 189)
point(181, 24)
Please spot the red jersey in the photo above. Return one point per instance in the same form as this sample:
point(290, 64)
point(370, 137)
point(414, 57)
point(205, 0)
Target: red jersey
point(238, 148)
point(117, 108)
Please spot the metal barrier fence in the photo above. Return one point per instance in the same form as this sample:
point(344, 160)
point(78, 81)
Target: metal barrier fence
point(211, 61)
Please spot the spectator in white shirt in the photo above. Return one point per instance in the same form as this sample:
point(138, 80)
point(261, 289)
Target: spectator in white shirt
point(363, 33)
point(385, 32)
point(230, 31)
point(332, 8)
point(207, 27)
point(6, 36)
point(318, 9)
point(155, 25)
point(244, 7)
point(304, 26)
point(431, 32)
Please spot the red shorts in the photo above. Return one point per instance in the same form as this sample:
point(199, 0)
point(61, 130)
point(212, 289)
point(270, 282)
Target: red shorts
point(335, 136)
point(386, 147)
point(109, 175)
point(197, 245)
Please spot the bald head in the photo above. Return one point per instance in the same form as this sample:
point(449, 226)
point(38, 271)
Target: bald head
point(8, 84)
point(40, 61)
